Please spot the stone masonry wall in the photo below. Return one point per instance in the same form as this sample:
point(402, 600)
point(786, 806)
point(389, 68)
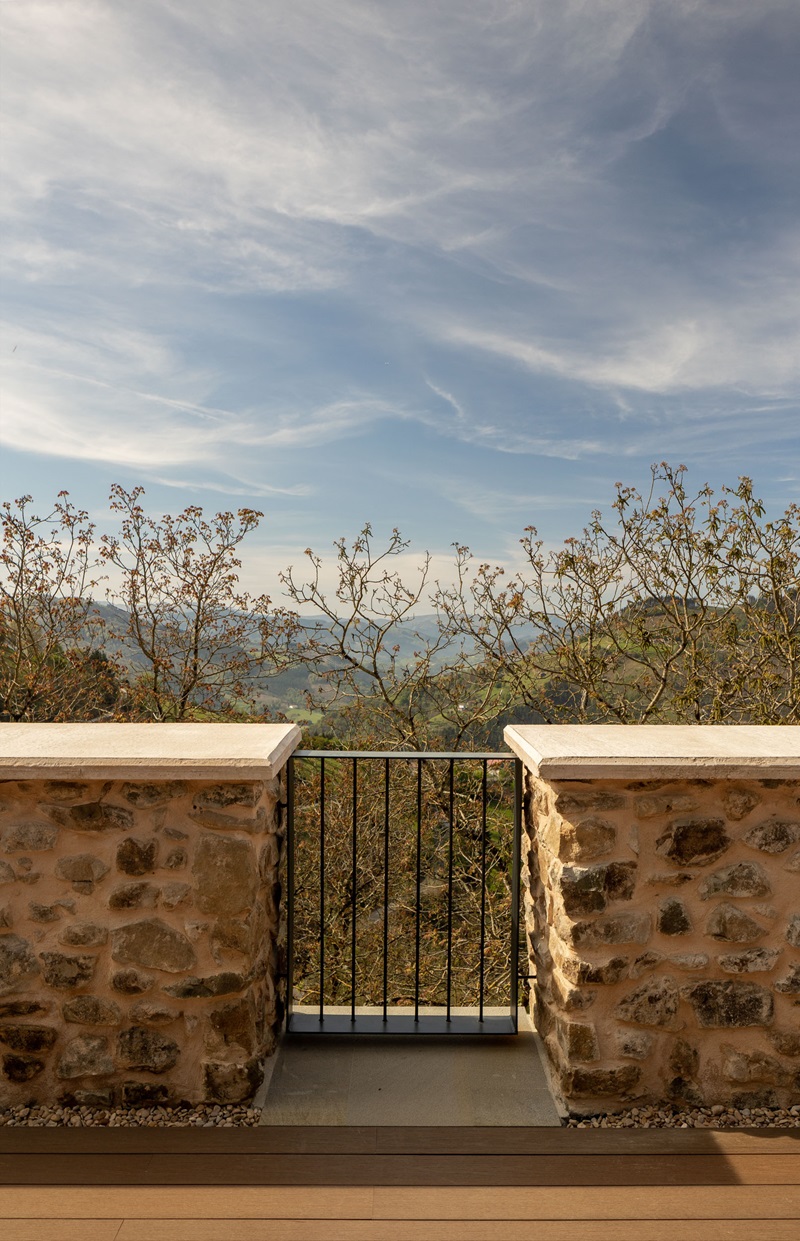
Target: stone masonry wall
point(664, 926)
point(138, 940)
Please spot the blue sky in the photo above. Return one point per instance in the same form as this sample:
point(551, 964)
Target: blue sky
point(452, 266)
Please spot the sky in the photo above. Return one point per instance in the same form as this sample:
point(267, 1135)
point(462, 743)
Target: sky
point(451, 266)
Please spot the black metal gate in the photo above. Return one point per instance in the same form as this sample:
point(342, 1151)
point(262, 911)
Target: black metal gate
point(403, 884)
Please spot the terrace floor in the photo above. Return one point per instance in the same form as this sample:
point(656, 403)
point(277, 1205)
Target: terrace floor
point(383, 1080)
point(383, 1183)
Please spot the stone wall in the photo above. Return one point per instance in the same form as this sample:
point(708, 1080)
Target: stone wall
point(664, 924)
point(138, 939)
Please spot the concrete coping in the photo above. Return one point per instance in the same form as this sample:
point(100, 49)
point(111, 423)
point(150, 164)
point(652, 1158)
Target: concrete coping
point(655, 751)
point(104, 751)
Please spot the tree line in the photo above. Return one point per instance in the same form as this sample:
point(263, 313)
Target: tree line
point(676, 607)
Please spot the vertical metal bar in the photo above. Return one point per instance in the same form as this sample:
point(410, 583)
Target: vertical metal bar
point(385, 886)
point(483, 889)
point(515, 885)
point(354, 881)
point(419, 888)
point(289, 889)
point(450, 895)
point(321, 891)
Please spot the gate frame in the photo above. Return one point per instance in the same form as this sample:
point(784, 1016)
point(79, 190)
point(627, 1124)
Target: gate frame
point(400, 1021)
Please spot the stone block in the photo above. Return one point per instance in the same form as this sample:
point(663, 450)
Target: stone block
point(590, 838)
point(150, 1013)
point(43, 913)
point(140, 895)
point(740, 1067)
point(578, 1040)
point(773, 835)
point(131, 982)
point(137, 857)
point(651, 805)
point(694, 842)
point(738, 803)
point(654, 1003)
point(176, 859)
point(600, 1083)
point(84, 935)
point(673, 918)
point(236, 1024)
point(220, 821)
point(145, 1094)
point(607, 973)
point(82, 870)
point(146, 1050)
point(225, 983)
point(174, 894)
point(684, 1059)
point(787, 1042)
point(225, 875)
point(18, 965)
point(688, 961)
point(29, 838)
point(743, 879)
point(28, 1038)
point(7, 873)
point(154, 945)
point(145, 796)
point(21, 1069)
point(573, 799)
point(629, 928)
point(65, 790)
point(733, 925)
point(90, 1010)
point(244, 793)
point(750, 961)
point(231, 1083)
point(24, 1008)
point(790, 985)
point(67, 973)
point(93, 816)
point(729, 1004)
point(646, 962)
point(232, 935)
point(793, 931)
point(85, 1056)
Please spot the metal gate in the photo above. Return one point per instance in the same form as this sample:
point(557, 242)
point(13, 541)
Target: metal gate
point(403, 886)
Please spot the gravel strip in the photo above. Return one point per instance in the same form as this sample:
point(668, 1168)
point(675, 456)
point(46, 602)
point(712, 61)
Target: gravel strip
point(207, 1116)
point(716, 1117)
point(204, 1116)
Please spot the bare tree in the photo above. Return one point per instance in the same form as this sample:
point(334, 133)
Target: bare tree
point(387, 681)
point(196, 638)
point(52, 667)
point(681, 609)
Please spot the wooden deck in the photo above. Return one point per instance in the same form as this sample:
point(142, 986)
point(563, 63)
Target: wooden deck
point(391, 1184)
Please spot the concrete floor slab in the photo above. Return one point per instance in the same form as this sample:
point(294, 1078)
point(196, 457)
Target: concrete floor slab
point(364, 1080)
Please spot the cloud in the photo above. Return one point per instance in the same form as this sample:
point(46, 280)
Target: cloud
point(237, 234)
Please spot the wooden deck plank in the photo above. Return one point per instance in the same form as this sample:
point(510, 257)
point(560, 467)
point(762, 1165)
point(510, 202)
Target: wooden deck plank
point(60, 1229)
point(182, 1202)
point(546, 1141)
point(632, 1202)
point(294, 1169)
point(401, 1140)
point(445, 1230)
point(743, 1202)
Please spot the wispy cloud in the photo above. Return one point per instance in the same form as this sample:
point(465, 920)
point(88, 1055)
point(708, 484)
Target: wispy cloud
point(238, 235)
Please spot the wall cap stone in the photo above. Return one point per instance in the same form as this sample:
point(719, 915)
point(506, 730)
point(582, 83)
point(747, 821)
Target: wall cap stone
point(655, 751)
point(145, 751)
